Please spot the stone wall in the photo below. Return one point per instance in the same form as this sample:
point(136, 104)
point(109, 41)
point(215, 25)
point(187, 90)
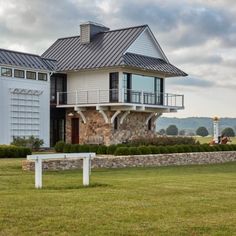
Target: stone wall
point(96, 131)
point(138, 161)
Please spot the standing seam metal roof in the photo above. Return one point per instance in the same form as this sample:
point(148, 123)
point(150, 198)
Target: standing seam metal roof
point(107, 49)
point(26, 60)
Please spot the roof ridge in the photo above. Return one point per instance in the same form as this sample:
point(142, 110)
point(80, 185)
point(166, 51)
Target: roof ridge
point(127, 28)
point(25, 53)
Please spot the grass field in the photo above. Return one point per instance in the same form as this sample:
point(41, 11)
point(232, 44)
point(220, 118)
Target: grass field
point(203, 140)
point(189, 200)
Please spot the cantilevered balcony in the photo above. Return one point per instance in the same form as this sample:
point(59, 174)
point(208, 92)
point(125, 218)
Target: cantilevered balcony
point(115, 97)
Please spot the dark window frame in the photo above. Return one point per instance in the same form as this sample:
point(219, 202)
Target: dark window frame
point(42, 74)
point(20, 77)
point(7, 69)
point(31, 73)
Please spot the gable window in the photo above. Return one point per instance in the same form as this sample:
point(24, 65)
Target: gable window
point(31, 75)
point(19, 73)
point(42, 76)
point(6, 72)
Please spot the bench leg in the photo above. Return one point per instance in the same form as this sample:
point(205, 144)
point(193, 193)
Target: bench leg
point(38, 173)
point(86, 170)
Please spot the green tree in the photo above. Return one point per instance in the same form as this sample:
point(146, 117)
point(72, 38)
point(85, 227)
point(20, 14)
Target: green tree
point(228, 132)
point(161, 131)
point(182, 132)
point(172, 130)
point(202, 131)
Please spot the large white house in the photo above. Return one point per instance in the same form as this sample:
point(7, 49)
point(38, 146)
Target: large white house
point(108, 87)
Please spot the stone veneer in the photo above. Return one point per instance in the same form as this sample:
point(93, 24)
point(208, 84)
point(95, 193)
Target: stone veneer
point(96, 131)
point(138, 161)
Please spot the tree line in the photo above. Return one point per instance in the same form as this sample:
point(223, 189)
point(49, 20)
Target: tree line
point(201, 131)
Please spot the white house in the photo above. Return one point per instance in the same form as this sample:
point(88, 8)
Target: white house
point(110, 85)
point(102, 87)
point(24, 96)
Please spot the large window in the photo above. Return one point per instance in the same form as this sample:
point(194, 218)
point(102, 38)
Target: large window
point(143, 89)
point(19, 73)
point(6, 72)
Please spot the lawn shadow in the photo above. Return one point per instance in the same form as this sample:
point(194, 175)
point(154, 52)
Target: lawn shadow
point(72, 187)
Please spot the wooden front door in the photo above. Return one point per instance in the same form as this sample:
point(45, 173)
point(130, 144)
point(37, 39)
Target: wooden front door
point(75, 130)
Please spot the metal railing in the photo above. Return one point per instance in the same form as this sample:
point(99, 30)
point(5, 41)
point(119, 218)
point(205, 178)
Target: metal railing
point(86, 97)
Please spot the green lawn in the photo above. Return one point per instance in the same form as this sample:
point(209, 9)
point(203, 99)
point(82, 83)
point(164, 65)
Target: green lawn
point(203, 140)
point(190, 200)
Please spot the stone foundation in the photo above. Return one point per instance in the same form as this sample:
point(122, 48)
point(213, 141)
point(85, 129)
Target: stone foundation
point(96, 131)
point(138, 161)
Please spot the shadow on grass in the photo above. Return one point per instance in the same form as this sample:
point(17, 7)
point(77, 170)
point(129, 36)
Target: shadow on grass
point(71, 187)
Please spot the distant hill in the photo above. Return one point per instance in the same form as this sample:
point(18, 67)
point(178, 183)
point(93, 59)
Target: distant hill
point(190, 124)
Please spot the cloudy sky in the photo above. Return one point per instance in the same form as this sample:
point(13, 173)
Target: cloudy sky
point(198, 36)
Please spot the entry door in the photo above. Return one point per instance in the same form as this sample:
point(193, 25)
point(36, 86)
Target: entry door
point(114, 86)
point(75, 130)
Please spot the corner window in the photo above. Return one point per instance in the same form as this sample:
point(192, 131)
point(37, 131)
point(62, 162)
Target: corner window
point(6, 72)
point(31, 75)
point(42, 76)
point(19, 74)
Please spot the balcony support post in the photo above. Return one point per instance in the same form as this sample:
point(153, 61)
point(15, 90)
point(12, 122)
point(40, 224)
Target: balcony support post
point(150, 117)
point(124, 116)
point(115, 115)
point(104, 115)
point(157, 115)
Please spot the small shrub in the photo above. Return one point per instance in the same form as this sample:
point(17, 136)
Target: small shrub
point(102, 149)
point(144, 150)
point(163, 141)
point(122, 151)
point(187, 148)
point(93, 148)
point(67, 148)
point(59, 146)
point(154, 149)
point(163, 150)
point(31, 142)
point(74, 148)
point(10, 151)
point(134, 151)
point(111, 149)
point(84, 148)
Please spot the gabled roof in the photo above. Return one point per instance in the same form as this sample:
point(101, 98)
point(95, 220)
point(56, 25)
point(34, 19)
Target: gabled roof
point(105, 50)
point(151, 63)
point(26, 60)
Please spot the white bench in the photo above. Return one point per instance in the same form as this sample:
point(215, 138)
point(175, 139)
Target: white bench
point(40, 157)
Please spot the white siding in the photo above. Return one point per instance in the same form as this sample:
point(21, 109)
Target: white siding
point(95, 82)
point(145, 45)
point(23, 104)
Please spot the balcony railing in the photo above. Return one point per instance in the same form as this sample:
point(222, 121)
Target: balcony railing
point(89, 97)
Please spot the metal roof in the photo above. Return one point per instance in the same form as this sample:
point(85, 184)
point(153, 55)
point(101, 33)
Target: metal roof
point(151, 63)
point(107, 49)
point(26, 60)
